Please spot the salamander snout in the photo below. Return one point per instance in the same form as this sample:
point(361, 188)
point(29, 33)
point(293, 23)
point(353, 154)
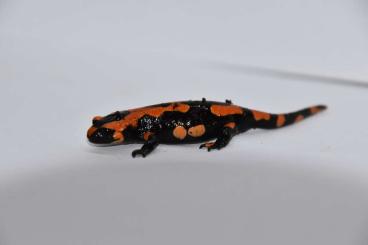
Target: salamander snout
point(101, 135)
point(106, 130)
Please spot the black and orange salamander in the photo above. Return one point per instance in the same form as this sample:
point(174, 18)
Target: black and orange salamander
point(186, 122)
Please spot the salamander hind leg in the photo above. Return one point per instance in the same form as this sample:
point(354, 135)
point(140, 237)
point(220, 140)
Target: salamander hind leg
point(222, 140)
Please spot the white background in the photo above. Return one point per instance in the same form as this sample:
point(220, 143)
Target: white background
point(63, 62)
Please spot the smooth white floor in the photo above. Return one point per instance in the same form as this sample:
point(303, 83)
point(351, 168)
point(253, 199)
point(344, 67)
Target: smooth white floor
point(61, 63)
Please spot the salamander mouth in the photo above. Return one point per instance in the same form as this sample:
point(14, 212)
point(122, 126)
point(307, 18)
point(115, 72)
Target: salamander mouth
point(102, 136)
point(115, 143)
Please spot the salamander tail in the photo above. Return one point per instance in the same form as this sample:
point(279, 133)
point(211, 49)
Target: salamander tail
point(271, 121)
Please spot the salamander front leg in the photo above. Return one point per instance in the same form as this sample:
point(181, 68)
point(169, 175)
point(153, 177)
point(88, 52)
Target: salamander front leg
point(147, 148)
point(222, 140)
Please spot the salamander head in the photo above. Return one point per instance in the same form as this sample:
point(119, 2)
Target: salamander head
point(108, 129)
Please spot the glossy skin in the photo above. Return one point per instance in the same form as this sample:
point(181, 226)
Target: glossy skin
point(186, 122)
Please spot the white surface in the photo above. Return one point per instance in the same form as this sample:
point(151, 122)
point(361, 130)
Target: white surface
point(63, 62)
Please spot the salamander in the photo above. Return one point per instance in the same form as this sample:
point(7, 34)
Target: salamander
point(186, 122)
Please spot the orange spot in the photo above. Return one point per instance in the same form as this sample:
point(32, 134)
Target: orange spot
point(209, 144)
point(151, 111)
point(225, 110)
point(299, 118)
point(118, 136)
point(314, 110)
point(280, 120)
point(197, 131)
point(181, 107)
point(146, 135)
point(90, 131)
point(116, 125)
point(230, 125)
point(180, 132)
point(259, 115)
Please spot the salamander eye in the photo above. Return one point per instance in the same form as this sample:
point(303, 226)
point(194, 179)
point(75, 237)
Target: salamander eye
point(96, 119)
point(117, 116)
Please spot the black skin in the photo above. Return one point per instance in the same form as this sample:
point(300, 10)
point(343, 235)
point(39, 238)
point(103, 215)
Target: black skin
point(161, 128)
point(198, 114)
